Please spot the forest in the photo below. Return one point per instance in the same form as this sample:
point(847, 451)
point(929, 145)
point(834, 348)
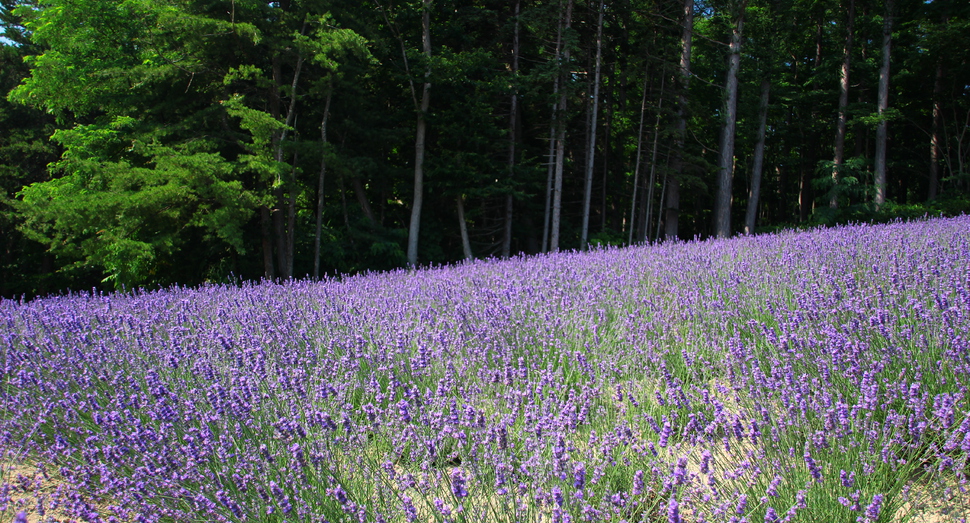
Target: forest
point(159, 142)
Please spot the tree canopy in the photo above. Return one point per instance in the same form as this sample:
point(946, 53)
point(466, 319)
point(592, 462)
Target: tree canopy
point(181, 141)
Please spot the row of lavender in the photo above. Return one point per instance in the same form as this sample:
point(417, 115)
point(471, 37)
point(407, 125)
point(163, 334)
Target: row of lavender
point(796, 376)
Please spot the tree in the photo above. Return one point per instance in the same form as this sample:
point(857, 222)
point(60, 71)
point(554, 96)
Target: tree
point(276, 139)
point(419, 137)
point(567, 18)
point(759, 155)
point(25, 152)
point(318, 230)
point(882, 106)
point(182, 140)
point(672, 219)
point(725, 166)
point(843, 107)
point(513, 131)
point(588, 189)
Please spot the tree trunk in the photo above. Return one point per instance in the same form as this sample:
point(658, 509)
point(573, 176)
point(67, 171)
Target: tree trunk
point(513, 115)
point(663, 192)
point(637, 160)
point(560, 139)
point(266, 233)
point(550, 172)
point(553, 128)
point(278, 228)
point(466, 245)
point(283, 224)
point(607, 131)
point(323, 173)
point(759, 155)
point(291, 218)
point(279, 232)
point(590, 158)
point(843, 107)
point(648, 208)
point(935, 137)
point(671, 221)
point(419, 138)
point(879, 173)
point(725, 167)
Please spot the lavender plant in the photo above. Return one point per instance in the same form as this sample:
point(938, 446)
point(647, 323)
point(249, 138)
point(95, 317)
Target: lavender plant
point(801, 376)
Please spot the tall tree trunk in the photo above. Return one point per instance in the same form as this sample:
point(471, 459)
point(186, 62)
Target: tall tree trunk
point(671, 221)
point(560, 137)
point(278, 227)
point(266, 233)
point(283, 224)
point(637, 161)
point(935, 138)
point(513, 116)
point(466, 245)
point(414, 229)
point(290, 243)
point(663, 193)
point(320, 179)
point(553, 128)
point(648, 208)
point(291, 218)
point(590, 158)
point(810, 143)
point(843, 107)
point(550, 172)
point(607, 132)
point(882, 105)
point(725, 166)
point(279, 232)
point(759, 155)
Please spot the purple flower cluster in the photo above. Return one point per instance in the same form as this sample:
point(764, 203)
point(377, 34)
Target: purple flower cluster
point(702, 381)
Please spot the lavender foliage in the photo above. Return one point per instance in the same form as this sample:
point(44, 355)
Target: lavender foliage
point(760, 378)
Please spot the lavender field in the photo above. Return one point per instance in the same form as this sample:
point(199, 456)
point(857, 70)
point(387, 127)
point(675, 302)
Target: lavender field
point(804, 376)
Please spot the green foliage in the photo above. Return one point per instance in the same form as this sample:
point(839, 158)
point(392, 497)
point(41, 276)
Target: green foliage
point(953, 205)
point(126, 206)
point(175, 121)
point(851, 185)
point(264, 129)
point(329, 44)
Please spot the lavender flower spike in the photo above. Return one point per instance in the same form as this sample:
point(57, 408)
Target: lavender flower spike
point(673, 511)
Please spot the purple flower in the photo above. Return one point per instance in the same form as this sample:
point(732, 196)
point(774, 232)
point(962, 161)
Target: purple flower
point(773, 486)
point(813, 467)
point(665, 434)
point(557, 496)
point(847, 479)
point(673, 511)
point(458, 484)
point(872, 511)
point(445, 510)
point(402, 409)
point(337, 492)
point(680, 471)
point(705, 461)
point(410, 513)
point(742, 504)
point(618, 500)
point(579, 476)
point(638, 483)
